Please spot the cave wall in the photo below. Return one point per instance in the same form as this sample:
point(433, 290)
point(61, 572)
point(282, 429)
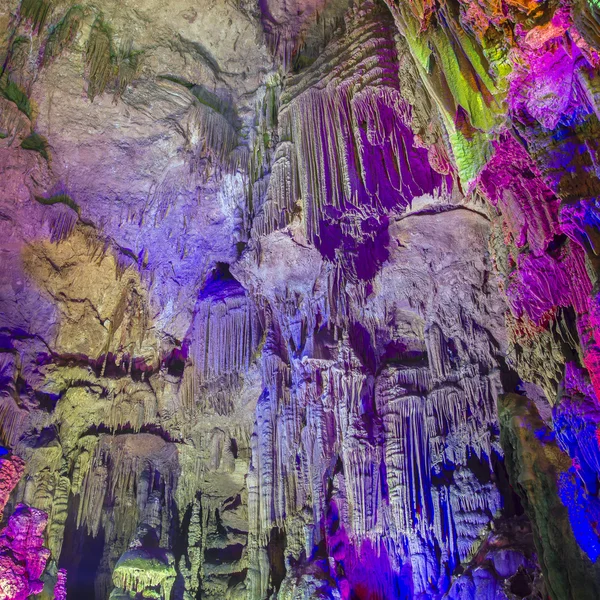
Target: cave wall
point(299, 299)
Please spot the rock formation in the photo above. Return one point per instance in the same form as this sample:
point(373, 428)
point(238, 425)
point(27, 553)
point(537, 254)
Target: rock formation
point(299, 299)
point(22, 554)
point(11, 470)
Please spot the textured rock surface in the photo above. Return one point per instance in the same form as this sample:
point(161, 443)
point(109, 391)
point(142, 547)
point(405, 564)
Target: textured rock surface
point(11, 470)
point(22, 555)
point(266, 269)
point(543, 476)
point(144, 569)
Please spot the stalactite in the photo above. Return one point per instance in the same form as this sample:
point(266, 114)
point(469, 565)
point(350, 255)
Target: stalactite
point(421, 433)
point(356, 155)
point(217, 135)
point(14, 420)
point(226, 331)
point(58, 515)
point(99, 59)
point(195, 549)
point(36, 12)
point(145, 572)
point(121, 478)
point(134, 407)
point(93, 492)
point(275, 205)
point(63, 34)
point(189, 390)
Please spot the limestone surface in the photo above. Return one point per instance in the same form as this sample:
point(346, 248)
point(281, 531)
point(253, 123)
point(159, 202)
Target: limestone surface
point(299, 299)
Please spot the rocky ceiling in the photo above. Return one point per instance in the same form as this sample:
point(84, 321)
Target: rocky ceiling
point(298, 299)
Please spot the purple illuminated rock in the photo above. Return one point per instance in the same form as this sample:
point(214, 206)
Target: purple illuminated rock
point(11, 470)
point(22, 553)
point(60, 589)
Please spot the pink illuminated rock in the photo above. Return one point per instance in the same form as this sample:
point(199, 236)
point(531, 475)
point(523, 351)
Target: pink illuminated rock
point(22, 554)
point(512, 183)
point(60, 589)
point(11, 470)
point(541, 284)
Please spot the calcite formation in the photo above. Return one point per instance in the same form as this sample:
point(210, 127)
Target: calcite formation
point(60, 590)
point(299, 299)
point(22, 554)
point(548, 487)
point(11, 470)
point(144, 569)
